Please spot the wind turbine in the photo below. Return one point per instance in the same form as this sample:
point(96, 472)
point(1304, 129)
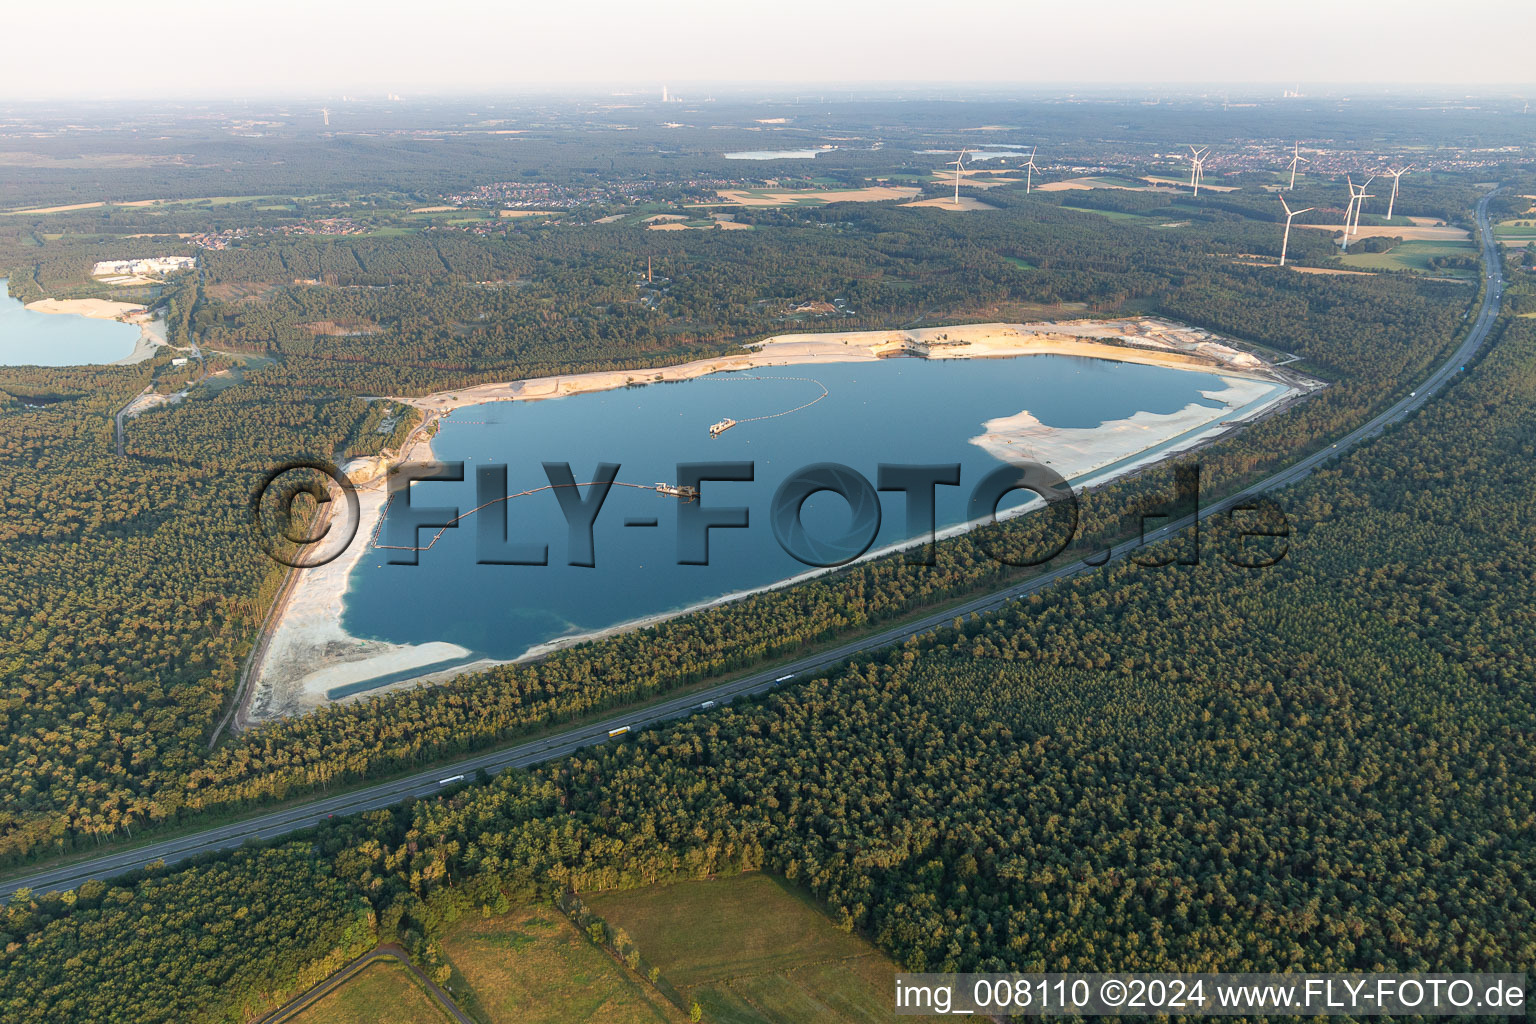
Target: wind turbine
point(1029, 170)
point(1289, 213)
point(1296, 158)
point(1349, 211)
point(1197, 167)
point(1360, 201)
point(1396, 177)
point(958, 162)
point(327, 115)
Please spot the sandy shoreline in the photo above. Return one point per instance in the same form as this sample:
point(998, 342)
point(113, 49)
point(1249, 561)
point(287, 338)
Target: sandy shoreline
point(1130, 340)
point(151, 327)
point(309, 652)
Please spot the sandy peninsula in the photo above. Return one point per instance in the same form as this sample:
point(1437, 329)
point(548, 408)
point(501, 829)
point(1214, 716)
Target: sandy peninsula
point(309, 653)
point(151, 326)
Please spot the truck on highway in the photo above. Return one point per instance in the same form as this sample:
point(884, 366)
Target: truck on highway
point(621, 730)
point(449, 779)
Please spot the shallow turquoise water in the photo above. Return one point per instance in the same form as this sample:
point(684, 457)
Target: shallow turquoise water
point(29, 338)
point(892, 411)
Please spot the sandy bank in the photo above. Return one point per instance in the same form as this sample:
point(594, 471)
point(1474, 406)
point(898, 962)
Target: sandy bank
point(96, 309)
point(310, 653)
point(151, 328)
point(1130, 340)
point(151, 338)
point(1077, 453)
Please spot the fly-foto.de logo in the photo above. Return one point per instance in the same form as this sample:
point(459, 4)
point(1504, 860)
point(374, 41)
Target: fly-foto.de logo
point(306, 513)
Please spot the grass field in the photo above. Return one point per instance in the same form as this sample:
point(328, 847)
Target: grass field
point(383, 993)
point(752, 950)
point(1115, 215)
point(1413, 255)
point(1516, 232)
point(531, 967)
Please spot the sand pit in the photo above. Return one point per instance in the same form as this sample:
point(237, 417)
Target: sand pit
point(812, 197)
point(1134, 339)
point(309, 653)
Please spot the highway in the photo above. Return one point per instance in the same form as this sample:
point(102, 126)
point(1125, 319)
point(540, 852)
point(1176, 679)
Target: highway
point(426, 783)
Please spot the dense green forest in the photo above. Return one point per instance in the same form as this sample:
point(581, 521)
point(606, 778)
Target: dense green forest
point(1326, 765)
point(133, 604)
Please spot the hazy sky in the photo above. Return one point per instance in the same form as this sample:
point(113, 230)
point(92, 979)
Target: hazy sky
point(216, 48)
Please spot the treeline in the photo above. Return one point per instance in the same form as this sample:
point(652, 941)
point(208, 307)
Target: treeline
point(1322, 766)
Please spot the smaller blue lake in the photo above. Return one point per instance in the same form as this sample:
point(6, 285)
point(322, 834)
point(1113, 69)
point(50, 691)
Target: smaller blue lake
point(30, 338)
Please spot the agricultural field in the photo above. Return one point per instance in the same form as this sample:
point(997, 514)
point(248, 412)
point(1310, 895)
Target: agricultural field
point(532, 967)
point(1408, 233)
point(1090, 182)
point(1517, 232)
point(1412, 255)
point(752, 950)
point(975, 178)
point(382, 993)
point(140, 203)
point(1119, 216)
point(814, 197)
point(966, 204)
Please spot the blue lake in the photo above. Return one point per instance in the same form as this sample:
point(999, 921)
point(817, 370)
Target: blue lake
point(891, 411)
point(30, 338)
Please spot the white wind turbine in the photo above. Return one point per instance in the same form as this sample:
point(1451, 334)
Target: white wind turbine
point(1296, 158)
point(1029, 170)
point(1396, 177)
point(958, 162)
point(1289, 214)
point(1197, 167)
point(327, 115)
point(1349, 212)
point(1360, 199)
